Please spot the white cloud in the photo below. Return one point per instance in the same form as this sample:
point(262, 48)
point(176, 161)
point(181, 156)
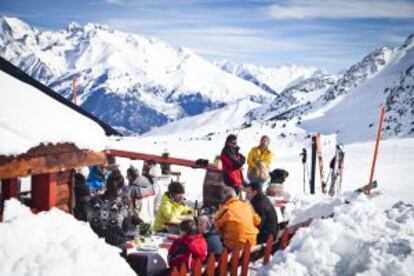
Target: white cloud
point(114, 1)
point(342, 9)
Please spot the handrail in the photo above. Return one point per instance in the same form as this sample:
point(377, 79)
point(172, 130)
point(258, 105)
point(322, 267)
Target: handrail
point(159, 159)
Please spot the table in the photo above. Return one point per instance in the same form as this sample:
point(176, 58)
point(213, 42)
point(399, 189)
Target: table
point(154, 262)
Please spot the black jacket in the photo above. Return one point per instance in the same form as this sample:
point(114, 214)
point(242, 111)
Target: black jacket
point(266, 211)
point(82, 196)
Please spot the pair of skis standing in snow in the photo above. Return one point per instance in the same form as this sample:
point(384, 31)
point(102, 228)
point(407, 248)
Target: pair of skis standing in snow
point(335, 175)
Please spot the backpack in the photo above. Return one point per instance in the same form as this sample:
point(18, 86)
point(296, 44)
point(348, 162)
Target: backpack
point(109, 219)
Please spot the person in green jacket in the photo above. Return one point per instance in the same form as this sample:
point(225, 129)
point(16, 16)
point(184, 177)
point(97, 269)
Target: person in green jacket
point(172, 207)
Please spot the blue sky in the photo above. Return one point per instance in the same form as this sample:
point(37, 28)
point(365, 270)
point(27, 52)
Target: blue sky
point(330, 34)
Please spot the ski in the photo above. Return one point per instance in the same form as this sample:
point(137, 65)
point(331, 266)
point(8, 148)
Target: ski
point(336, 171)
point(320, 161)
point(313, 167)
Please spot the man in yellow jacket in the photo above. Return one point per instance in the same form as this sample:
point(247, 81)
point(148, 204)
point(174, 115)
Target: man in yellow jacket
point(236, 221)
point(259, 161)
point(172, 207)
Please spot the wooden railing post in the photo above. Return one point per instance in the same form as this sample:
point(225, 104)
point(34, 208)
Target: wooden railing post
point(197, 268)
point(175, 272)
point(234, 262)
point(9, 188)
point(223, 263)
point(211, 265)
point(44, 190)
point(268, 250)
point(284, 239)
point(246, 259)
point(183, 270)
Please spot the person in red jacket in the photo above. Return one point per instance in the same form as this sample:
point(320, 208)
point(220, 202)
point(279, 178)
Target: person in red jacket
point(188, 248)
point(232, 162)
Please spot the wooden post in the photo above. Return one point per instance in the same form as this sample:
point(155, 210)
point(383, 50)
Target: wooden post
point(9, 188)
point(284, 240)
point(211, 265)
point(175, 272)
point(374, 161)
point(44, 187)
point(234, 262)
point(183, 270)
point(268, 249)
point(223, 263)
point(75, 91)
point(246, 259)
point(197, 268)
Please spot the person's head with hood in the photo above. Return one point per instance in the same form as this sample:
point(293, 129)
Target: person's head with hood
point(132, 173)
point(115, 183)
point(231, 142)
point(228, 193)
point(204, 224)
point(188, 227)
point(252, 189)
point(176, 191)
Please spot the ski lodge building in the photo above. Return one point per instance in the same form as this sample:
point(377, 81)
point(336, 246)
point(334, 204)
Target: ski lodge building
point(44, 137)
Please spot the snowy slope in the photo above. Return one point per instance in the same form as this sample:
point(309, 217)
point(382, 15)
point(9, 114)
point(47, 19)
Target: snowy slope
point(358, 240)
point(126, 80)
point(272, 80)
point(211, 122)
point(354, 114)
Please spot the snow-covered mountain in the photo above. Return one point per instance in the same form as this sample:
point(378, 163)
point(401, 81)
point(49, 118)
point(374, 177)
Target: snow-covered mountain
point(303, 93)
point(383, 77)
point(348, 105)
point(273, 80)
point(129, 81)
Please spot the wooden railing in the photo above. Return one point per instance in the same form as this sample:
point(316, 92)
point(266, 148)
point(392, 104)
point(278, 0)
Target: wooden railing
point(223, 266)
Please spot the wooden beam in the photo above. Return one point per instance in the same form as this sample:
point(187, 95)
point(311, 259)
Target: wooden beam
point(9, 188)
point(44, 191)
point(159, 159)
point(50, 163)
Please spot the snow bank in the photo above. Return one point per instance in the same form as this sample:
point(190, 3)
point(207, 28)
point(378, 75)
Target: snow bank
point(29, 117)
point(53, 243)
point(359, 239)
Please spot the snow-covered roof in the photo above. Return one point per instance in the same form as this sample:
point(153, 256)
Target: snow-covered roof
point(29, 117)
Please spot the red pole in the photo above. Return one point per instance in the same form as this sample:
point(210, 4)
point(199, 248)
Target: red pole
point(75, 92)
point(374, 161)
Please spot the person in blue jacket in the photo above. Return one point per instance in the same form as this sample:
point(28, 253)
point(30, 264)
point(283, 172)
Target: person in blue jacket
point(96, 179)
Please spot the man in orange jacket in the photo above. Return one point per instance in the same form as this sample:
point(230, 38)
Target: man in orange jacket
point(236, 221)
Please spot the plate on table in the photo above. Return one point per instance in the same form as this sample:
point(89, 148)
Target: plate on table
point(147, 247)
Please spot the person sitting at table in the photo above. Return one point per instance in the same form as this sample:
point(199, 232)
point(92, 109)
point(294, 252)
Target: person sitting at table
point(190, 247)
point(236, 221)
point(110, 215)
point(262, 205)
point(142, 194)
point(212, 237)
point(82, 196)
point(172, 207)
